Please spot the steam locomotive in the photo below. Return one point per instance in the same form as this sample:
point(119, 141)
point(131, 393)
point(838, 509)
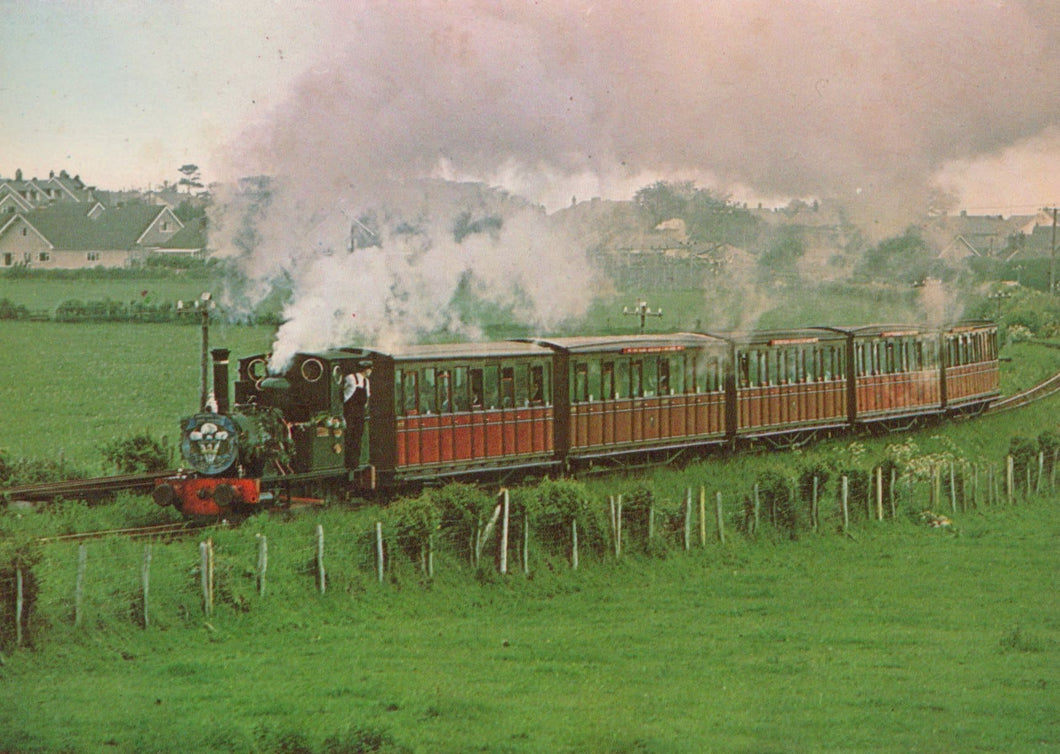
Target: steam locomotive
point(476, 410)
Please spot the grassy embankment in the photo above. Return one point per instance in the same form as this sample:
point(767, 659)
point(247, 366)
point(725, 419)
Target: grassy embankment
point(905, 639)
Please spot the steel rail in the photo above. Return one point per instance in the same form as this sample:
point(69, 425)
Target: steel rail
point(152, 530)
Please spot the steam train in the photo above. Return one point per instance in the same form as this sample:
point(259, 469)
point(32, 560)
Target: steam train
point(473, 410)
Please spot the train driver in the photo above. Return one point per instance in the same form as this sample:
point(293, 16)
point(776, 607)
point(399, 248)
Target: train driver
point(356, 391)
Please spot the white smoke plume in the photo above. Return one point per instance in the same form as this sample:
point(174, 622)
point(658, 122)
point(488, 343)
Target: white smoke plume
point(862, 102)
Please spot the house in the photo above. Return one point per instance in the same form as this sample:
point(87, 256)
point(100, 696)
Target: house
point(18, 195)
point(76, 234)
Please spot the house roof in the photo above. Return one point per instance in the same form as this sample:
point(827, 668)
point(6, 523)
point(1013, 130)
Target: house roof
point(67, 225)
point(191, 236)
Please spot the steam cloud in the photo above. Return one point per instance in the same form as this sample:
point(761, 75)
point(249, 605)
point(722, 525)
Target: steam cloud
point(864, 103)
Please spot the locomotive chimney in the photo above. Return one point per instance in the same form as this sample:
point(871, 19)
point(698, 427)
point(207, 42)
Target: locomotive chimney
point(220, 379)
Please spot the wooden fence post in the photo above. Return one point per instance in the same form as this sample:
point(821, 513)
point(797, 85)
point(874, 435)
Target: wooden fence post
point(380, 563)
point(79, 589)
point(263, 562)
point(688, 519)
point(526, 543)
point(879, 493)
point(702, 516)
point(19, 605)
point(146, 574)
point(1010, 478)
point(322, 577)
point(574, 544)
point(1041, 471)
point(505, 501)
point(206, 567)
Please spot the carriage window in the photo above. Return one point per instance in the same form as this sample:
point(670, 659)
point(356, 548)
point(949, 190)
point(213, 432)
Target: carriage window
point(744, 369)
point(607, 376)
point(475, 380)
point(594, 380)
point(538, 386)
point(445, 397)
point(622, 379)
point(491, 382)
point(651, 377)
point(691, 361)
point(522, 389)
point(427, 405)
point(507, 387)
point(408, 394)
point(677, 375)
point(581, 383)
point(663, 368)
point(460, 389)
point(636, 379)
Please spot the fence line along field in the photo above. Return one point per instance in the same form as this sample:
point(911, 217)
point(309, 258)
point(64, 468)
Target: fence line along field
point(825, 643)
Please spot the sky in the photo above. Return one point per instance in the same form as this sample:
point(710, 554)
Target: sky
point(892, 103)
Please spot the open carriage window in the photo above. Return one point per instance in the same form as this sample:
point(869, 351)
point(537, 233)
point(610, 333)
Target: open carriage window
point(538, 386)
point(460, 389)
point(607, 377)
point(508, 387)
point(477, 388)
point(445, 397)
point(427, 397)
point(662, 370)
point(581, 383)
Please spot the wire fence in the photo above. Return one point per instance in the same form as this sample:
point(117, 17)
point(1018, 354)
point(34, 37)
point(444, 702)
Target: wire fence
point(240, 568)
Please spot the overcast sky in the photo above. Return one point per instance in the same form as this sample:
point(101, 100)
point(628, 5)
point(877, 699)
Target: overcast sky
point(896, 101)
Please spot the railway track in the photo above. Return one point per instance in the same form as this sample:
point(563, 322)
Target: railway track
point(84, 489)
point(151, 531)
point(1039, 392)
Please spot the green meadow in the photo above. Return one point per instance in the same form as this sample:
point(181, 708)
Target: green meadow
point(899, 638)
point(893, 637)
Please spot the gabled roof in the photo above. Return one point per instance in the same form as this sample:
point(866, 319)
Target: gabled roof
point(67, 226)
point(191, 236)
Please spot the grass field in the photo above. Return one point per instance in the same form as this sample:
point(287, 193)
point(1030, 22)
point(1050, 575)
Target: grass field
point(71, 388)
point(899, 638)
point(907, 639)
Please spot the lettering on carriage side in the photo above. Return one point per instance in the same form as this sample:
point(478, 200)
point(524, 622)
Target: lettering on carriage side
point(651, 349)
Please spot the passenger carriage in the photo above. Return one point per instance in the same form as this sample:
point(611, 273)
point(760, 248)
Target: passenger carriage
point(791, 382)
point(621, 395)
point(971, 372)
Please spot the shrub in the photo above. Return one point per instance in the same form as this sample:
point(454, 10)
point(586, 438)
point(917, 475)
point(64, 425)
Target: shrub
point(552, 505)
point(136, 454)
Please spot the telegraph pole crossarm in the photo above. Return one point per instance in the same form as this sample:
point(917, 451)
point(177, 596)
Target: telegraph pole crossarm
point(643, 311)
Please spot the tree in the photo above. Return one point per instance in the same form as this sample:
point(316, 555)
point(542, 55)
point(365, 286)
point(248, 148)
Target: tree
point(191, 177)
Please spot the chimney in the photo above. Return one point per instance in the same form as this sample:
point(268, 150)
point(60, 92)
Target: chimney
point(220, 379)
